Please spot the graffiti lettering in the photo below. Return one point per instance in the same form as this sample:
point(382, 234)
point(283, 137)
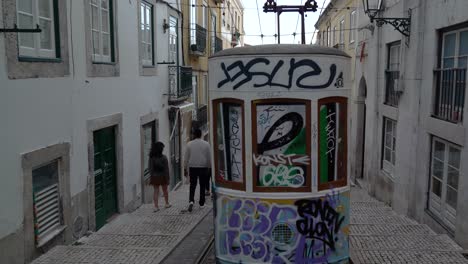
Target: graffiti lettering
point(319, 221)
point(290, 159)
point(283, 176)
point(239, 73)
point(297, 124)
point(235, 141)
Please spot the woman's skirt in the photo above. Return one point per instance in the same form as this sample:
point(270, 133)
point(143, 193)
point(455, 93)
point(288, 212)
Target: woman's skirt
point(159, 180)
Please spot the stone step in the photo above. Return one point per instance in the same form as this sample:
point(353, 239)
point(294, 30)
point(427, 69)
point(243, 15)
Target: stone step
point(72, 254)
point(400, 257)
point(362, 210)
point(366, 229)
point(404, 243)
point(381, 220)
point(129, 241)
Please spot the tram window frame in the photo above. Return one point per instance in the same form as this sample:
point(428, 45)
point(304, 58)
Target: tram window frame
point(221, 182)
point(282, 101)
point(341, 181)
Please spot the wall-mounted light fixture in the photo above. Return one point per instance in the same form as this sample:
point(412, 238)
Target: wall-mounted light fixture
point(165, 25)
point(373, 7)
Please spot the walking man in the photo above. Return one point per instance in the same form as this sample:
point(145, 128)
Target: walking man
point(197, 164)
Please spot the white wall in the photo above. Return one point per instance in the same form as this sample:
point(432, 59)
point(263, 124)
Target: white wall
point(36, 113)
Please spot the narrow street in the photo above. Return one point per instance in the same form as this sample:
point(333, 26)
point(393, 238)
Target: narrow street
point(377, 235)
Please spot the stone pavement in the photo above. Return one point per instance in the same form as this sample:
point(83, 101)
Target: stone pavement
point(140, 237)
point(378, 235)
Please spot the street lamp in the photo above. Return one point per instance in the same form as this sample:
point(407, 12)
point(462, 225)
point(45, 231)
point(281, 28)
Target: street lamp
point(373, 7)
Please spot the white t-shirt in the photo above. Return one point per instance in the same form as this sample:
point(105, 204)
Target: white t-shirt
point(197, 154)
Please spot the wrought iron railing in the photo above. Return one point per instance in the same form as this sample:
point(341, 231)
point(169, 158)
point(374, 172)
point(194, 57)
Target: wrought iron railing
point(450, 94)
point(391, 88)
point(200, 39)
point(216, 44)
point(180, 82)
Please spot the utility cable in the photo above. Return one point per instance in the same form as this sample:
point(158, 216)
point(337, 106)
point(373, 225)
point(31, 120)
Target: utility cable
point(259, 23)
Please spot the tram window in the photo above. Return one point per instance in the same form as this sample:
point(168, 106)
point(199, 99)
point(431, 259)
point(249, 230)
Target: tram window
point(229, 143)
point(281, 145)
point(332, 142)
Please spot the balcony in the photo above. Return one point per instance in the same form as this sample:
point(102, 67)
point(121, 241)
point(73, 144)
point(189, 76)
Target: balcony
point(180, 83)
point(450, 94)
point(235, 37)
point(198, 40)
point(392, 95)
point(202, 118)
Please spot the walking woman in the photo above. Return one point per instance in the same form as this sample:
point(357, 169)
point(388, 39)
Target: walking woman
point(159, 171)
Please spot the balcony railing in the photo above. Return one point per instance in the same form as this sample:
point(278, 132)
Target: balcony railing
point(201, 121)
point(391, 88)
point(199, 34)
point(450, 94)
point(180, 83)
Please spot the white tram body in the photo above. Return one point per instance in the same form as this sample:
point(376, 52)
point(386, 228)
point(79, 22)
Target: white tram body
point(278, 128)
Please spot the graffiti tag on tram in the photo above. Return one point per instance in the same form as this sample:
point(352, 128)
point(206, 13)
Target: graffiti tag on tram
point(239, 73)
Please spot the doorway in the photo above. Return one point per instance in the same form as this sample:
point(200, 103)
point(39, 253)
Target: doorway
point(105, 175)
point(361, 129)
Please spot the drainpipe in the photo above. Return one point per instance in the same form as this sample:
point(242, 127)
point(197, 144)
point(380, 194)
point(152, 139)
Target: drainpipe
point(417, 199)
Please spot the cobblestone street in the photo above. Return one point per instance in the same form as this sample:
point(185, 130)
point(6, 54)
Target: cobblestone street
point(378, 235)
point(139, 237)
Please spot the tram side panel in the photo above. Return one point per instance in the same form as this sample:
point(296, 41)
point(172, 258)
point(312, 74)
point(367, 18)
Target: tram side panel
point(279, 126)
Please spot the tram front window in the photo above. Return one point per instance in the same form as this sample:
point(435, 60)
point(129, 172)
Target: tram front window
point(281, 148)
point(229, 143)
point(332, 116)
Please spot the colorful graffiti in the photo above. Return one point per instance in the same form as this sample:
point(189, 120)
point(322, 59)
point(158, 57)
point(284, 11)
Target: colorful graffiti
point(281, 157)
point(332, 139)
point(229, 142)
point(311, 230)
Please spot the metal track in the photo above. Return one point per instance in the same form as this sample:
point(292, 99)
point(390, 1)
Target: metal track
point(205, 254)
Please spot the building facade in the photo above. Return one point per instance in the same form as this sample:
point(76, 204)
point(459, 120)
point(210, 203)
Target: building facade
point(411, 93)
point(232, 23)
point(81, 102)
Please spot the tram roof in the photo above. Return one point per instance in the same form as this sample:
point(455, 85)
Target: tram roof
point(285, 49)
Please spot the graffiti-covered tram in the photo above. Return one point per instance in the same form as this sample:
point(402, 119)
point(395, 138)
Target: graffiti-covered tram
point(279, 137)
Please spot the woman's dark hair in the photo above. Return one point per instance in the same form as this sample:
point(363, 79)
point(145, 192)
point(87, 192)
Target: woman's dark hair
point(157, 149)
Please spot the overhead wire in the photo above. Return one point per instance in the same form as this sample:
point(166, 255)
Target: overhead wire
point(259, 23)
point(297, 23)
point(321, 11)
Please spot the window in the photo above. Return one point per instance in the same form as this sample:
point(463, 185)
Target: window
point(46, 201)
point(352, 25)
point(281, 145)
point(205, 15)
point(328, 36)
point(146, 31)
point(332, 142)
point(173, 39)
point(389, 143)
point(445, 173)
point(392, 74)
point(213, 33)
point(228, 115)
point(451, 78)
point(342, 32)
point(29, 14)
point(193, 22)
point(195, 94)
point(101, 30)
point(334, 36)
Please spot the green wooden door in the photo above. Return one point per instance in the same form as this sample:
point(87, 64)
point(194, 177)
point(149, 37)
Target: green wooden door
point(105, 180)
